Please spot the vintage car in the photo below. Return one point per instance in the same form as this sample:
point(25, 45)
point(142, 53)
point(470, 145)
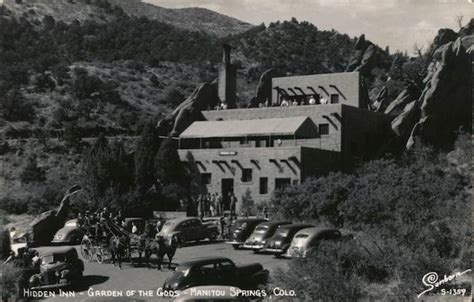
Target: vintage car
point(211, 293)
point(58, 268)
point(241, 231)
point(307, 240)
point(261, 234)
point(189, 229)
point(216, 271)
point(281, 240)
point(70, 233)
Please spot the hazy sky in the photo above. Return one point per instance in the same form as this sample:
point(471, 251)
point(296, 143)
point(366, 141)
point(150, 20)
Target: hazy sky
point(397, 23)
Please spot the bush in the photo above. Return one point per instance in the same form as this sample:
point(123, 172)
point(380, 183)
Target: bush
point(31, 172)
point(9, 279)
point(409, 217)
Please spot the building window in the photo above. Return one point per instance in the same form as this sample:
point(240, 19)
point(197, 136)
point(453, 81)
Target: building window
point(334, 98)
point(206, 178)
point(263, 185)
point(323, 129)
point(281, 183)
point(246, 175)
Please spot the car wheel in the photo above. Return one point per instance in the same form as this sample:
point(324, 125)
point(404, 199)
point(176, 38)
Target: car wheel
point(278, 255)
point(236, 246)
point(256, 251)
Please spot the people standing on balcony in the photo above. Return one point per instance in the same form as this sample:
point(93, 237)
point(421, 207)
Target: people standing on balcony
point(223, 106)
point(295, 103)
point(284, 103)
point(312, 100)
point(266, 103)
point(323, 100)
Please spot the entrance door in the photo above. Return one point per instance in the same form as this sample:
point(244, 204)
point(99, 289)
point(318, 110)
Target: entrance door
point(227, 187)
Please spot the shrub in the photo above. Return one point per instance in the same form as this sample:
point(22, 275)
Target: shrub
point(31, 172)
point(9, 279)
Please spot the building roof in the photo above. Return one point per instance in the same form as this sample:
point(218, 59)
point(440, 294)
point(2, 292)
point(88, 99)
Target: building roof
point(301, 125)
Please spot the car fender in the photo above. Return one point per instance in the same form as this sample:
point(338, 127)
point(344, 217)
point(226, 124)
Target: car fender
point(261, 277)
point(178, 235)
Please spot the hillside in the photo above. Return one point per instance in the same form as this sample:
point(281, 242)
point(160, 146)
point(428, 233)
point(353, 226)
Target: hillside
point(192, 19)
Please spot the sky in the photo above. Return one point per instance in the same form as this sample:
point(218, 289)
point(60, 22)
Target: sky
point(399, 24)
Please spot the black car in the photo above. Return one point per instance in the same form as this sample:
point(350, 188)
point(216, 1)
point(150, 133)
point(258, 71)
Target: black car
point(242, 230)
point(216, 271)
point(279, 243)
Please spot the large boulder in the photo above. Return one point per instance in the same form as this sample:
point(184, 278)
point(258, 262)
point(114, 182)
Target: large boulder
point(366, 56)
point(263, 91)
point(445, 35)
point(408, 95)
point(446, 99)
point(41, 231)
point(202, 98)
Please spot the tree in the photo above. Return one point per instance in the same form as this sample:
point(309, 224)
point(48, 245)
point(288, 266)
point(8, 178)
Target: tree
point(145, 155)
point(248, 204)
point(31, 172)
point(168, 166)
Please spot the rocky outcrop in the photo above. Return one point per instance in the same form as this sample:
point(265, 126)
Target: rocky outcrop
point(263, 91)
point(381, 100)
point(408, 95)
point(445, 102)
point(366, 56)
point(43, 228)
point(445, 35)
point(202, 98)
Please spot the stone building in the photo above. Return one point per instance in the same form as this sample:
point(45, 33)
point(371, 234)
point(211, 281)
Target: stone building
point(267, 148)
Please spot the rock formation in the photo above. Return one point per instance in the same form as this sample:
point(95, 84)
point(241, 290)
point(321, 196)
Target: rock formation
point(410, 94)
point(366, 56)
point(445, 101)
point(43, 228)
point(264, 89)
point(202, 98)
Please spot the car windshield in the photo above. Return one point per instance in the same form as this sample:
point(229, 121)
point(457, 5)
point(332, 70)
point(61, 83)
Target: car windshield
point(167, 226)
point(240, 224)
point(261, 229)
point(181, 272)
point(47, 259)
point(282, 232)
point(302, 236)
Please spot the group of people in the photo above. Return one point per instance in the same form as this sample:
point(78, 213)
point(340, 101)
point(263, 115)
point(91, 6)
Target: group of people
point(212, 205)
point(311, 101)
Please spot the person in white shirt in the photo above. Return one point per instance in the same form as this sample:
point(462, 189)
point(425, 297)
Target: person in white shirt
point(312, 100)
point(284, 103)
point(295, 103)
point(134, 228)
point(323, 100)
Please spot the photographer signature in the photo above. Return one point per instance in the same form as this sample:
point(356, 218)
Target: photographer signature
point(431, 280)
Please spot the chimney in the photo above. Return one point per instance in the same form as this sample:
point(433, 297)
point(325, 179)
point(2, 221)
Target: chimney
point(227, 81)
point(226, 54)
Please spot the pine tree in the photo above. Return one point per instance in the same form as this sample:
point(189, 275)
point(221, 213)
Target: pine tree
point(169, 168)
point(144, 156)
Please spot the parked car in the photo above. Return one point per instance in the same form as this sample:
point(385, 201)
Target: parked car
point(58, 268)
point(242, 230)
point(70, 233)
point(306, 240)
point(281, 240)
point(216, 271)
point(261, 234)
point(210, 293)
point(189, 229)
